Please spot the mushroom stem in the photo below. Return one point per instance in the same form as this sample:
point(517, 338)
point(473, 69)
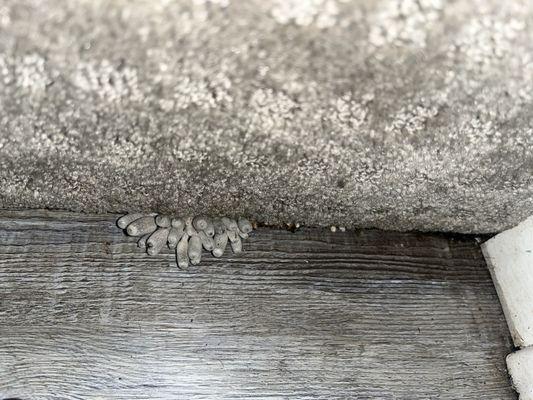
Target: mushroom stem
point(218, 226)
point(207, 241)
point(195, 249)
point(174, 235)
point(141, 243)
point(210, 230)
point(181, 252)
point(232, 236)
point(189, 228)
point(236, 245)
point(221, 241)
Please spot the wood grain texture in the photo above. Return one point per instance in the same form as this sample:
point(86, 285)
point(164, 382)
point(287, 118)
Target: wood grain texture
point(84, 314)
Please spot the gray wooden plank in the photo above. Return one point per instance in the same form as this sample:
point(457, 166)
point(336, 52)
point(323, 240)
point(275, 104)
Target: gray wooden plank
point(84, 314)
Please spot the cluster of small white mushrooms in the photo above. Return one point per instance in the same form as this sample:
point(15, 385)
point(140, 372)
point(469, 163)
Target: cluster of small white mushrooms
point(186, 235)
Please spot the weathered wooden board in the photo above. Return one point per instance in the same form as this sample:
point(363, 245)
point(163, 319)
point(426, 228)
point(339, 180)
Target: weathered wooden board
point(84, 314)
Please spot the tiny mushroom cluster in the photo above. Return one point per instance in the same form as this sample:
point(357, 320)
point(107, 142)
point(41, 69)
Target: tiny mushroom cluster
point(186, 235)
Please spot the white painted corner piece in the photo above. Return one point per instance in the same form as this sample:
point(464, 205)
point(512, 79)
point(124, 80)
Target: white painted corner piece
point(509, 257)
point(520, 366)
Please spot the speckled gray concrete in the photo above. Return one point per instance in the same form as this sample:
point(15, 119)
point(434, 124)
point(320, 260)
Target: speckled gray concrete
point(397, 114)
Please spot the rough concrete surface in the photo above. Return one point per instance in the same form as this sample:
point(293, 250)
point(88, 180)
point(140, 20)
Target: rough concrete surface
point(397, 114)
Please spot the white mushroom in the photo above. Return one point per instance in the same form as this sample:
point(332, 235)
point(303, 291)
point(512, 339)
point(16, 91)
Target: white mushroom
point(207, 241)
point(218, 226)
point(174, 236)
point(232, 236)
point(236, 245)
point(200, 223)
point(142, 226)
point(244, 225)
point(178, 223)
point(210, 230)
point(221, 241)
point(189, 228)
point(230, 224)
point(182, 252)
point(142, 241)
point(157, 241)
point(163, 221)
point(195, 249)
point(127, 219)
